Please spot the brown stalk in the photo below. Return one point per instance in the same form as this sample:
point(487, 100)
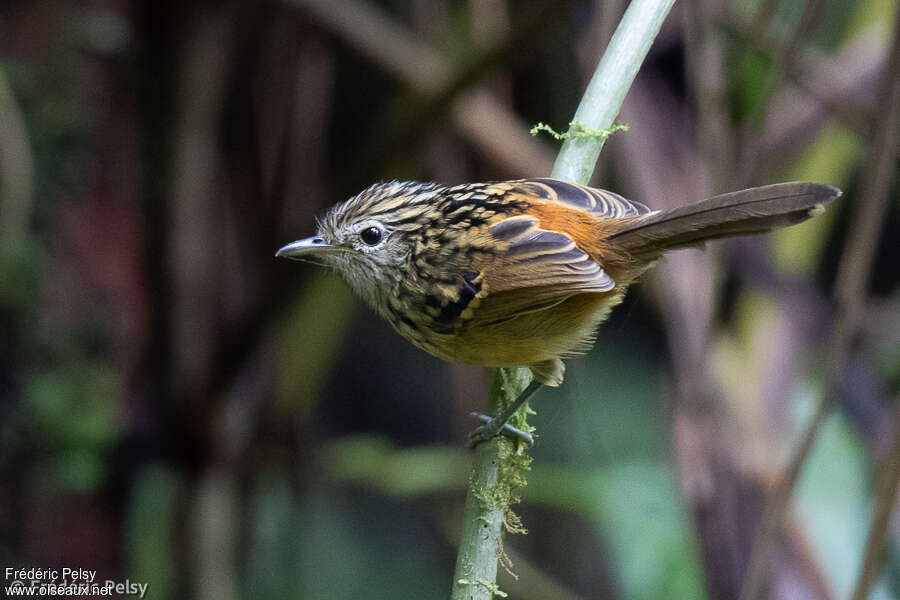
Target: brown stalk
point(850, 291)
point(783, 62)
point(885, 497)
point(390, 45)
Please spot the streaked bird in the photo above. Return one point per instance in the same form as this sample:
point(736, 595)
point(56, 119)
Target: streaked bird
point(520, 273)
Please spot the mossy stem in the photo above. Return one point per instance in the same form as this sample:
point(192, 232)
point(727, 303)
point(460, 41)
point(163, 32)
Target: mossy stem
point(480, 546)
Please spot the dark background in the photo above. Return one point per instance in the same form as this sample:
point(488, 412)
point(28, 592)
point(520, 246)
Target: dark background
point(180, 408)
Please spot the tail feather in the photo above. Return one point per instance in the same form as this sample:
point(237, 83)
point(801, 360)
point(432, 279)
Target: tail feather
point(753, 210)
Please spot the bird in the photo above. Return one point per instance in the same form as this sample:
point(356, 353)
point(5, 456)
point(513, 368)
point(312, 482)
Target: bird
point(520, 272)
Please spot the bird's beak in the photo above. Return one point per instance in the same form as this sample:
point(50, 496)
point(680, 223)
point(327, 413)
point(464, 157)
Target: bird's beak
point(307, 247)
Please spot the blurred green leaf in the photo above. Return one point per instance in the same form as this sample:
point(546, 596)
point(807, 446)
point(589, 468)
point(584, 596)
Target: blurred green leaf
point(868, 13)
point(71, 406)
point(833, 495)
point(609, 408)
point(834, 22)
point(19, 273)
point(70, 415)
point(640, 515)
point(313, 334)
point(151, 529)
point(749, 82)
point(830, 159)
point(375, 461)
point(331, 546)
point(78, 470)
point(636, 509)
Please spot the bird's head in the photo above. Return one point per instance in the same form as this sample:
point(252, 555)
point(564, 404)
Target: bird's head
point(369, 238)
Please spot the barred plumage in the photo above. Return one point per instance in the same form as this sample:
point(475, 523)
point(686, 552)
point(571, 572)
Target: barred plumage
point(520, 272)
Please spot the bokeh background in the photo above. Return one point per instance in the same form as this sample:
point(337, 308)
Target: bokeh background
point(179, 408)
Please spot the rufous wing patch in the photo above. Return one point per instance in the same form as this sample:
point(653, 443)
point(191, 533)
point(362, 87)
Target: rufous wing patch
point(536, 257)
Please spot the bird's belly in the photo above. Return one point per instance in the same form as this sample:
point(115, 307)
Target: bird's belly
point(562, 330)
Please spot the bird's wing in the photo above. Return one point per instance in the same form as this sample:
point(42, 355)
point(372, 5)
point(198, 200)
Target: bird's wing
point(536, 270)
point(597, 202)
point(539, 258)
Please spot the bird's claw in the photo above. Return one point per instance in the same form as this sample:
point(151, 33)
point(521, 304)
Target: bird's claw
point(488, 430)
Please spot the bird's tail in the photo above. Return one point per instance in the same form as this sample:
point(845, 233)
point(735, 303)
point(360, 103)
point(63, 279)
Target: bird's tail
point(753, 210)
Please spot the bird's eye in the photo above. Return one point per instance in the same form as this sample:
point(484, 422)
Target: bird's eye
point(371, 235)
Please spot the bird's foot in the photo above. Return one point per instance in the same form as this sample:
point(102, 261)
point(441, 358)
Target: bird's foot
point(492, 427)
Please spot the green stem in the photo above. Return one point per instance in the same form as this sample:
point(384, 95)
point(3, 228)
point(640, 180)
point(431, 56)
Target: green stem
point(497, 467)
point(604, 95)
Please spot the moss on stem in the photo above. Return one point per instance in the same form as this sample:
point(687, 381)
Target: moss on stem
point(500, 465)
